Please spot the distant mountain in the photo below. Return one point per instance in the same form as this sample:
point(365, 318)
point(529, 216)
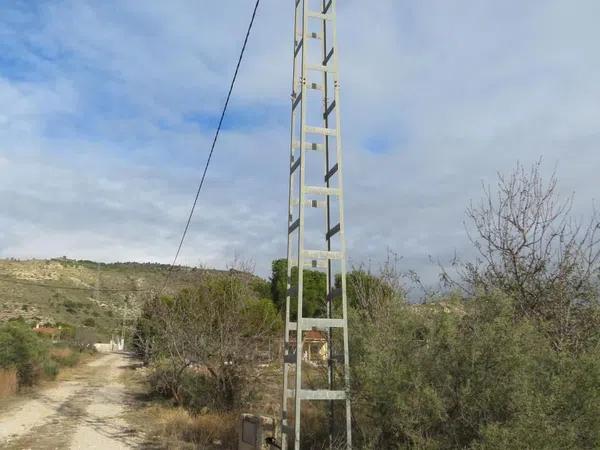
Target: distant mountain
point(84, 293)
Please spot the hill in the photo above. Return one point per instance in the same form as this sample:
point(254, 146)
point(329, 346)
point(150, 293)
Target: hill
point(84, 293)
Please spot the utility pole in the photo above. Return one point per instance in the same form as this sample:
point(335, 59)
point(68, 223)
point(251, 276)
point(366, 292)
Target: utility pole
point(315, 215)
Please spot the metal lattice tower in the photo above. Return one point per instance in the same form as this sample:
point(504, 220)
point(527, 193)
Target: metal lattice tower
point(316, 216)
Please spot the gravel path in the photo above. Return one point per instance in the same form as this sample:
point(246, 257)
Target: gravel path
point(85, 413)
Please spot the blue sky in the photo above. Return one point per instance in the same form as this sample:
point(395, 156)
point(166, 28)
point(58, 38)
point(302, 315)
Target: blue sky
point(108, 109)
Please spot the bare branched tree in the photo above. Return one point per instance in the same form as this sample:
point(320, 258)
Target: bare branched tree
point(216, 329)
point(530, 247)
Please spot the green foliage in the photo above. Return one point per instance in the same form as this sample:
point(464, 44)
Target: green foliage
point(261, 314)
point(22, 349)
point(467, 375)
point(89, 322)
point(279, 282)
point(363, 288)
point(209, 337)
point(261, 288)
point(314, 291)
point(50, 369)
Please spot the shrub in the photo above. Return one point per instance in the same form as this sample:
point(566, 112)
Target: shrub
point(467, 375)
point(64, 356)
point(50, 369)
point(23, 350)
point(208, 337)
point(89, 322)
point(212, 430)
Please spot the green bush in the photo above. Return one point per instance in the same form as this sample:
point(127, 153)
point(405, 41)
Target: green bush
point(50, 369)
point(468, 375)
point(22, 349)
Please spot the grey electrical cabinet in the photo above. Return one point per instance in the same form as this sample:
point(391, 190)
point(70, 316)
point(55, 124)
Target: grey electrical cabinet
point(254, 431)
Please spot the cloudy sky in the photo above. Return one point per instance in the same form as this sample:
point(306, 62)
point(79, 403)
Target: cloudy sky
point(107, 109)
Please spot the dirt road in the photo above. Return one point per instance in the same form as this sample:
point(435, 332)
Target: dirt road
point(82, 413)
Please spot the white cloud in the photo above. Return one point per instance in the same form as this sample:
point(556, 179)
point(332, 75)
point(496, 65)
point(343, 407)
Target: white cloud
point(104, 160)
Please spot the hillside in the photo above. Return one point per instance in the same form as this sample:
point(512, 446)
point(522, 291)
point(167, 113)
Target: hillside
point(84, 292)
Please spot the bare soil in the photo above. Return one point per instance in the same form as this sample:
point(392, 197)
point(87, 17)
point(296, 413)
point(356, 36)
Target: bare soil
point(86, 411)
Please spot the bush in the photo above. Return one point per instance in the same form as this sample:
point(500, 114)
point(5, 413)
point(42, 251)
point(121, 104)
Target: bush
point(23, 350)
point(178, 427)
point(207, 340)
point(89, 322)
point(64, 356)
point(50, 369)
point(467, 375)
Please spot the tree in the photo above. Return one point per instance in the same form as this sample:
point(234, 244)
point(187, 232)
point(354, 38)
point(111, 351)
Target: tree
point(217, 328)
point(315, 289)
point(23, 350)
point(531, 248)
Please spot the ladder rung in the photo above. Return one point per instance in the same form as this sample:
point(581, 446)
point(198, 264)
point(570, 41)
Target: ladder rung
point(337, 292)
point(293, 226)
point(317, 190)
point(316, 264)
point(331, 173)
point(311, 203)
point(320, 130)
point(319, 15)
point(311, 35)
point(322, 394)
point(295, 165)
point(308, 323)
point(332, 232)
point(320, 68)
point(329, 110)
point(309, 146)
point(322, 254)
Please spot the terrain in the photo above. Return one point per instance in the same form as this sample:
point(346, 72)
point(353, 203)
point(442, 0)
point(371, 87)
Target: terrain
point(85, 411)
point(84, 293)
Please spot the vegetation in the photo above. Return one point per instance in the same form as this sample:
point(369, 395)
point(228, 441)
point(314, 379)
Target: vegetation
point(470, 375)
point(203, 344)
point(512, 360)
point(315, 289)
point(507, 357)
point(32, 289)
point(30, 357)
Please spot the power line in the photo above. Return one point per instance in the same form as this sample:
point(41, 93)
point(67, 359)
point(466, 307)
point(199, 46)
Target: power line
point(212, 148)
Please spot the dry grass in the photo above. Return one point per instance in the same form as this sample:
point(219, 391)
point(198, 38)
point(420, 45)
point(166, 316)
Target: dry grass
point(8, 382)
point(175, 428)
point(61, 352)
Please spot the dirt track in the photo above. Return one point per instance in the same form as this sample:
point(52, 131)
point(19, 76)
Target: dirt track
point(83, 413)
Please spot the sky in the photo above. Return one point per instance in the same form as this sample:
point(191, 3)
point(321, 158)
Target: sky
point(108, 108)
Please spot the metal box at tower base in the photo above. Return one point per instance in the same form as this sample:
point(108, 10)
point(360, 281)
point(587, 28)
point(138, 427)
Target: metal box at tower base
point(255, 432)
